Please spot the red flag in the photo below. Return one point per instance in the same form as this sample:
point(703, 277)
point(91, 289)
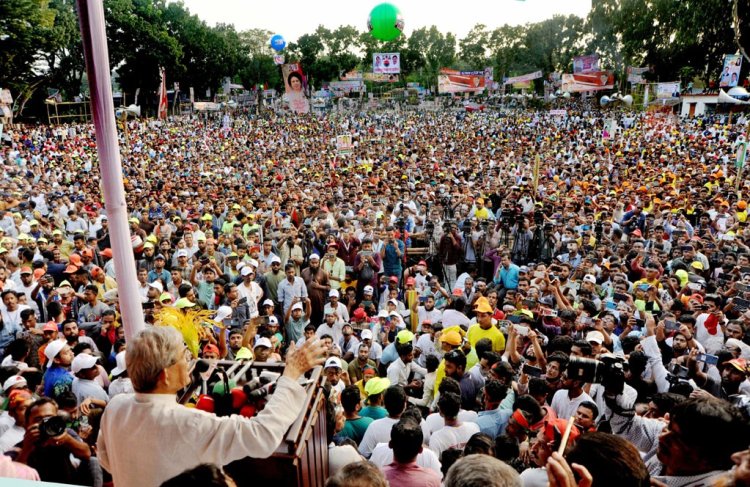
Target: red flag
point(163, 96)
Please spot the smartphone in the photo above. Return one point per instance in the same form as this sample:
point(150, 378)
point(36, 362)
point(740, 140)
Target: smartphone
point(639, 323)
point(147, 305)
point(532, 371)
point(620, 297)
point(522, 330)
point(671, 325)
point(742, 305)
point(743, 288)
point(694, 286)
point(707, 358)
point(643, 287)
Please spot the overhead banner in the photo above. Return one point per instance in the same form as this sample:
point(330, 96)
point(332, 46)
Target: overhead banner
point(586, 64)
point(451, 81)
point(668, 90)
point(635, 75)
point(353, 75)
point(294, 86)
point(489, 75)
point(386, 63)
point(579, 82)
point(730, 75)
point(381, 78)
point(523, 78)
point(345, 87)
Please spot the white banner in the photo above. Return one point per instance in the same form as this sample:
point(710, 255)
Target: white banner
point(386, 63)
point(668, 90)
point(523, 78)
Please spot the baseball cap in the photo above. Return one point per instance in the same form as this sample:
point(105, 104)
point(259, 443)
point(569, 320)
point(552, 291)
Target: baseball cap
point(120, 364)
point(451, 338)
point(81, 362)
point(52, 349)
point(483, 306)
point(106, 253)
point(589, 278)
point(182, 253)
point(210, 348)
point(314, 257)
point(159, 256)
point(739, 364)
point(359, 314)
point(263, 342)
point(157, 285)
point(246, 271)
point(273, 321)
point(377, 385)
point(382, 313)
point(296, 306)
point(13, 381)
point(26, 270)
point(268, 302)
point(393, 279)
point(332, 362)
point(183, 303)
point(223, 313)
point(275, 260)
point(404, 336)
point(368, 290)
point(366, 335)
point(422, 263)
point(50, 326)
point(18, 397)
point(595, 336)
point(333, 293)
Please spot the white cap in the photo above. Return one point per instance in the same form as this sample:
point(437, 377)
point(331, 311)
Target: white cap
point(246, 271)
point(12, 381)
point(595, 336)
point(393, 302)
point(82, 361)
point(254, 263)
point(382, 314)
point(275, 258)
point(272, 320)
point(223, 313)
point(296, 306)
point(366, 334)
point(332, 362)
point(589, 278)
point(333, 293)
point(268, 302)
point(52, 349)
point(182, 253)
point(263, 342)
point(157, 285)
point(314, 257)
point(120, 362)
point(368, 290)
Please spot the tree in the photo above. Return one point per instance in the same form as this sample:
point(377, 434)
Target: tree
point(474, 47)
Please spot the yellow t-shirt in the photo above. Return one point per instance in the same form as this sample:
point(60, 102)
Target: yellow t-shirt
point(476, 333)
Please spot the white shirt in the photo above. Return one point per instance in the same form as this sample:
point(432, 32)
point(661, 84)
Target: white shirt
point(434, 422)
point(534, 477)
point(398, 372)
point(136, 427)
point(123, 385)
point(334, 331)
point(11, 438)
point(382, 456)
point(427, 346)
point(452, 437)
point(565, 407)
point(379, 431)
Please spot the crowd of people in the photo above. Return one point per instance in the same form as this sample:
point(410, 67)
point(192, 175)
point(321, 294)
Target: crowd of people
point(518, 295)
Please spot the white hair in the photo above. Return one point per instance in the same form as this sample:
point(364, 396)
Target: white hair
point(481, 471)
point(153, 350)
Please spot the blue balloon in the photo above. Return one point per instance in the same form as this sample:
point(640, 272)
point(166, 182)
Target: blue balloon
point(278, 43)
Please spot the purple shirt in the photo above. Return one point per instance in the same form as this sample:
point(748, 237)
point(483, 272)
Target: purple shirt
point(410, 474)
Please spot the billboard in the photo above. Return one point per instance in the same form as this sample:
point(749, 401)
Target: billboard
point(579, 82)
point(294, 88)
point(635, 75)
point(730, 74)
point(668, 90)
point(523, 78)
point(346, 87)
point(586, 64)
point(381, 78)
point(386, 63)
point(451, 81)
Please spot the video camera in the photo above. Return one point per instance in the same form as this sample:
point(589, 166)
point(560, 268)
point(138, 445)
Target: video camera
point(609, 371)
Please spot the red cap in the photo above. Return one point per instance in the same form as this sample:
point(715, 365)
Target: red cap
point(393, 279)
point(359, 314)
point(106, 253)
point(50, 326)
point(71, 269)
point(26, 270)
point(421, 262)
point(555, 429)
point(410, 281)
point(75, 259)
point(210, 348)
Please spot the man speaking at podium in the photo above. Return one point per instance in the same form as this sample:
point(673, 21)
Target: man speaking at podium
point(147, 437)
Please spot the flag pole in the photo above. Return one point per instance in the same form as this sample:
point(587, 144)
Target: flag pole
point(96, 53)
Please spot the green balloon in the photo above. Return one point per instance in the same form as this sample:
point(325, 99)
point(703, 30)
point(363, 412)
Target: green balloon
point(385, 22)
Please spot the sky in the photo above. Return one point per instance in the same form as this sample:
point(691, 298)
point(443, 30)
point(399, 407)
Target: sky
point(292, 18)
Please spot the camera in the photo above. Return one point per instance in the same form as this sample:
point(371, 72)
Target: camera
point(507, 217)
point(400, 223)
point(51, 427)
point(429, 227)
point(598, 229)
point(608, 371)
point(538, 217)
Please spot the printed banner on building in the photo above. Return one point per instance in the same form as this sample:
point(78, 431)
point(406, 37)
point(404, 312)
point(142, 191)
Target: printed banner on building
point(523, 78)
point(668, 90)
point(451, 81)
point(635, 75)
point(586, 64)
point(386, 63)
point(345, 87)
point(294, 86)
point(579, 82)
point(730, 75)
point(381, 78)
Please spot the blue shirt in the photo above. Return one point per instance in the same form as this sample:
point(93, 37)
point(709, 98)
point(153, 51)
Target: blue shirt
point(389, 355)
point(392, 262)
point(56, 381)
point(8, 333)
point(287, 292)
point(507, 277)
point(493, 423)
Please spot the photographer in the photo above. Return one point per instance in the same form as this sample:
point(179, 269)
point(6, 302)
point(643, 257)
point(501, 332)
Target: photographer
point(449, 253)
point(48, 447)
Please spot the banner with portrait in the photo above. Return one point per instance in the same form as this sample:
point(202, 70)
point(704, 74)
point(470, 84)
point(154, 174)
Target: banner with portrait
point(668, 90)
point(386, 63)
point(452, 81)
point(524, 78)
point(635, 75)
point(381, 77)
point(295, 85)
point(730, 74)
point(580, 82)
point(586, 64)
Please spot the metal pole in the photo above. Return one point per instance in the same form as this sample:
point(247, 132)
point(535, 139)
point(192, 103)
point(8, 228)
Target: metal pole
point(95, 50)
